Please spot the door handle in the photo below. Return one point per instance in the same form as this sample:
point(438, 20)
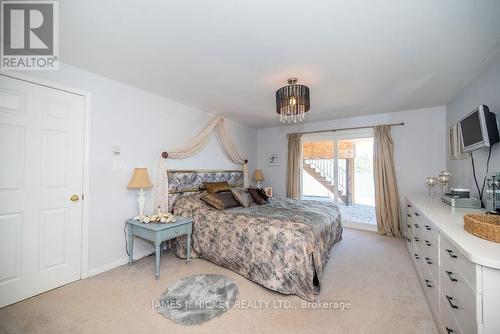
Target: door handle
point(74, 198)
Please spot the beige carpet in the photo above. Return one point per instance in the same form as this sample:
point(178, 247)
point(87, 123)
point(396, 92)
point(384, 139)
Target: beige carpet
point(373, 272)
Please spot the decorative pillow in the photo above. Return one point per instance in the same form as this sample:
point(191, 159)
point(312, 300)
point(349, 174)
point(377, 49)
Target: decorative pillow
point(263, 194)
point(220, 201)
point(228, 200)
point(217, 187)
point(212, 199)
point(254, 192)
point(242, 196)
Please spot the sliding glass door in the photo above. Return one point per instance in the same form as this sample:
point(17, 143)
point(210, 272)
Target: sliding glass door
point(338, 167)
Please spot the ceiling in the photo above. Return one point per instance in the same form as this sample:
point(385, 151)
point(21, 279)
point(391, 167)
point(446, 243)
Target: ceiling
point(358, 57)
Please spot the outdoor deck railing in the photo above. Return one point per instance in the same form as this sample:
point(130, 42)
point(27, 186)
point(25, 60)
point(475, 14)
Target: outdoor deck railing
point(326, 167)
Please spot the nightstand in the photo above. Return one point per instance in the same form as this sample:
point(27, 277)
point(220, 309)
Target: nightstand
point(158, 233)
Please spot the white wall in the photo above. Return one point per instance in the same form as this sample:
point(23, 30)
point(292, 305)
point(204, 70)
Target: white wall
point(420, 146)
point(143, 125)
point(483, 89)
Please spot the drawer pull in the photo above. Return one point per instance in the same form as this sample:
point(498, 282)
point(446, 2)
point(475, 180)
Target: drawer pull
point(409, 226)
point(409, 215)
point(428, 228)
point(450, 252)
point(409, 205)
point(416, 214)
point(428, 260)
point(449, 330)
point(428, 283)
point(428, 243)
point(449, 273)
point(416, 239)
point(453, 306)
point(416, 225)
point(416, 256)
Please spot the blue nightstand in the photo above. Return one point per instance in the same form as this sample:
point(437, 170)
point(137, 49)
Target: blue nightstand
point(158, 233)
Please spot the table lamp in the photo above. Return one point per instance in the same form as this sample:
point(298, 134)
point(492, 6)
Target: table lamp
point(258, 176)
point(444, 179)
point(140, 180)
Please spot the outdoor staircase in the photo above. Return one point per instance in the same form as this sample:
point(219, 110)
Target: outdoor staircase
point(325, 178)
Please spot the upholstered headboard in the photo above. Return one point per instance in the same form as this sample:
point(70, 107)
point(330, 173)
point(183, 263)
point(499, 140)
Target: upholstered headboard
point(188, 182)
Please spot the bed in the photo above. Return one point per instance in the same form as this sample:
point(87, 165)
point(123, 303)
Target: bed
point(283, 245)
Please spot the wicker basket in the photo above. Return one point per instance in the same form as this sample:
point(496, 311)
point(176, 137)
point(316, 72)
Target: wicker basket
point(483, 226)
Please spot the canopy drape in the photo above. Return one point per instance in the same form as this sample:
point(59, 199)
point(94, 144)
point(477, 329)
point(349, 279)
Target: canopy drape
point(192, 147)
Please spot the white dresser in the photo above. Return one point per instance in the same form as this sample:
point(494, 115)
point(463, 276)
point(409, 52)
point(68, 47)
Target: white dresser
point(460, 273)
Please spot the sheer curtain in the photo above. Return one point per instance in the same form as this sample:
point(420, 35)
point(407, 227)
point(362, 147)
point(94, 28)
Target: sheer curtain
point(294, 165)
point(387, 207)
point(192, 147)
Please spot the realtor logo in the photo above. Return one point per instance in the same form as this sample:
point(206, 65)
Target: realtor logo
point(29, 35)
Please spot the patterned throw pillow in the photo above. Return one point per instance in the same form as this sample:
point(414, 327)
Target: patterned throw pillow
point(217, 187)
point(254, 192)
point(242, 196)
point(263, 194)
point(220, 201)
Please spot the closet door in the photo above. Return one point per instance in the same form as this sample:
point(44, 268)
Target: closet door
point(41, 182)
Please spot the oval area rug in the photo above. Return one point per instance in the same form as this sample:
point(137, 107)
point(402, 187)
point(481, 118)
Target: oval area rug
point(198, 298)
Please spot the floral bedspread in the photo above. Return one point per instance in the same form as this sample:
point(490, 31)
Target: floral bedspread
point(283, 245)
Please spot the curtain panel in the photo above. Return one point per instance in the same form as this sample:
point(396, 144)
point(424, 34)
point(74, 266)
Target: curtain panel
point(387, 207)
point(294, 165)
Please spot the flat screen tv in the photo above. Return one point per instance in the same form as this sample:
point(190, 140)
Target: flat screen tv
point(479, 129)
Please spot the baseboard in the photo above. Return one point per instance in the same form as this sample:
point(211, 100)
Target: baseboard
point(117, 263)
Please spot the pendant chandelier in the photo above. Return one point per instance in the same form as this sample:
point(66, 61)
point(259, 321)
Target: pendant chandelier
point(292, 102)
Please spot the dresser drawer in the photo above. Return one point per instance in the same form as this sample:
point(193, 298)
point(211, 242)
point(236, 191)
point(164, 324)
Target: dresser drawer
point(430, 258)
point(463, 266)
point(176, 231)
point(417, 229)
point(448, 323)
point(416, 256)
point(408, 233)
point(409, 244)
point(459, 297)
point(429, 231)
point(431, 289)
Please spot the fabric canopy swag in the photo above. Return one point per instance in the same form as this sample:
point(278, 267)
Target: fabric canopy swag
point(192, 147)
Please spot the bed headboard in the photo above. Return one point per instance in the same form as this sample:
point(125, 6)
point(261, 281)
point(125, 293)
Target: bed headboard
point(188, 182)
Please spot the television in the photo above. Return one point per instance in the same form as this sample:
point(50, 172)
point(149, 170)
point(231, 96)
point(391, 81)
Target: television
point(479, 129)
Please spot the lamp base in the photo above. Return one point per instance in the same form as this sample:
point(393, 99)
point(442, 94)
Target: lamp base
point(141, 200)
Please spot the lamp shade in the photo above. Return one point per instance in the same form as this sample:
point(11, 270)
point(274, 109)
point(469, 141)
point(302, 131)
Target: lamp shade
point(258, 176)
point(140, 179)
point(292, 102)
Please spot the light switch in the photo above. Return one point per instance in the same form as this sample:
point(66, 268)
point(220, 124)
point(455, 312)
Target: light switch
point(116, 150)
